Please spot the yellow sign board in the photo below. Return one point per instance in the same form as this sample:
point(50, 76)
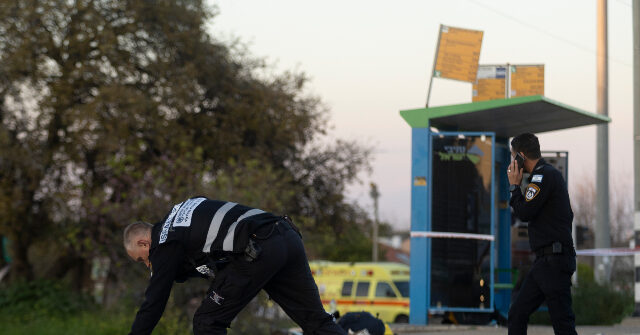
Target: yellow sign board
point(527, 80)
point(490, 83)
point(489, 89)
point(458, 54)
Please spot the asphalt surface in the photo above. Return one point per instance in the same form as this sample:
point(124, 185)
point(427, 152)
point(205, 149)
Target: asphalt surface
point(629, 326)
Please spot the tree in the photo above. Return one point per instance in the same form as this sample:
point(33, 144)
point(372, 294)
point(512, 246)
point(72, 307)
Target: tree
point(111, 110)
point(621, 225)
point(621, 209)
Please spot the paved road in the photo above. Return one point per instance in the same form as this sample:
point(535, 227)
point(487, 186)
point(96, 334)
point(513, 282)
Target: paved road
point(629, 326)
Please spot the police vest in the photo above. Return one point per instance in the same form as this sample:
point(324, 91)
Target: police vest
point(210, 227)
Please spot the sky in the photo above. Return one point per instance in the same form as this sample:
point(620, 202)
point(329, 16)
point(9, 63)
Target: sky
point(367, 60)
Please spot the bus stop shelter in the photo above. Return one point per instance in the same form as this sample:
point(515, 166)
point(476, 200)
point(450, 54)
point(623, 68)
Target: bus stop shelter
point(460, 218)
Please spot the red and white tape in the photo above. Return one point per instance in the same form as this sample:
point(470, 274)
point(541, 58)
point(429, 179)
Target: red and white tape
point(437, 234)
point(583, 252)
point(608, 252)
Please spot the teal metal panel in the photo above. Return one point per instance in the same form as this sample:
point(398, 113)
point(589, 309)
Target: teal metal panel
point(420, 247)
point(503, 158)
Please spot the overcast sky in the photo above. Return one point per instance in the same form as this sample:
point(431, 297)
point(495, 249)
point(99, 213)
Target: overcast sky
point(370, 59)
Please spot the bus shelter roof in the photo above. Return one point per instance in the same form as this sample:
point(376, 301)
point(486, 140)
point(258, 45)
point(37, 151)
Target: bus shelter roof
point(505, 117)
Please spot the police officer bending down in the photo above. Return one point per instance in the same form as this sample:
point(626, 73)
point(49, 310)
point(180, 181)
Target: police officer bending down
point(545, 205)
point(241, 249)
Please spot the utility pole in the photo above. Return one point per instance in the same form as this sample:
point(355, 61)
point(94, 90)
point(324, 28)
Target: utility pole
point(602, 154)
point(374, 195)
point(636, 147)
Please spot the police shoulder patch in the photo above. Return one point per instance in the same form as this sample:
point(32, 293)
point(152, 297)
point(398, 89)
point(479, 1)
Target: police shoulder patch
point(532, 192)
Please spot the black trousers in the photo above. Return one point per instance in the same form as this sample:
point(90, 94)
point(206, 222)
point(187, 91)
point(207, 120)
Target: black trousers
point(549, 279)
point(282, 270)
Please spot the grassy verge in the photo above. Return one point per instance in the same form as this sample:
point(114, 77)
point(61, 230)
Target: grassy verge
point(50, 308)
point(96, 322)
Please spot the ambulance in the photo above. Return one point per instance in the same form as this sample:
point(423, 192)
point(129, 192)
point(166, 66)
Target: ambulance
point(381, 289)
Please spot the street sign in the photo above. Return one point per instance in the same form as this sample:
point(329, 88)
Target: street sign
point(458, 54)
point(526, 80)
point(490, 83)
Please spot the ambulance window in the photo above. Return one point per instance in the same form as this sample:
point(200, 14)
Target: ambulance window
point(403, 287)
point(347, 288)
point(384, 290)
point(362, 290)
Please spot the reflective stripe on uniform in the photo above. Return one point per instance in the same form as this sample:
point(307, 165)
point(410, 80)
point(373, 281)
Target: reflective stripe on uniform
point(227, 245)
point(216, 222)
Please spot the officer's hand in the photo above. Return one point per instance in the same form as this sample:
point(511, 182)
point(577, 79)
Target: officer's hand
point(514, 172)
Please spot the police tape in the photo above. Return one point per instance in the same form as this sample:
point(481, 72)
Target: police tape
point(608, 252)
point(436, 234)
point(583, 252)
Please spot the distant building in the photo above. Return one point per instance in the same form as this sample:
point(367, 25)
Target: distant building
point(395, 248)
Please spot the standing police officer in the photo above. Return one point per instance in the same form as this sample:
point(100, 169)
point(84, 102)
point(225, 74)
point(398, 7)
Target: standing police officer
point(241, 249)
point(545, 205)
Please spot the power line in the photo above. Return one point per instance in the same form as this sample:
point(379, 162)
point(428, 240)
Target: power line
point(624, 3)
point(534, 27)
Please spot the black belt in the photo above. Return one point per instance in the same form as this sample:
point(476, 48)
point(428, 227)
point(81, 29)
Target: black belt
point(283, 224)
point(555, 248)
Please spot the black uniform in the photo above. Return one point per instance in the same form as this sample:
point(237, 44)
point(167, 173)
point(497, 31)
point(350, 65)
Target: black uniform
point(244, 250)
point(546, 206)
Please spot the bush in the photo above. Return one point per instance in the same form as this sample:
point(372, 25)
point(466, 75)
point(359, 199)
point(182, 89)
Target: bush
point(94, 322)
point(50, 308)
point(27, 301)
point(593, 304)
point(85, 323)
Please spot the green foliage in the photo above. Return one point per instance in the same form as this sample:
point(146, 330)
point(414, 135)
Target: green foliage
point(82, 323)
point(253, 183)
point(585, 274)
point(594, 304)
point(350, 246)
point(94, 322)
point(28, 301)
point(174, 322)
point(111, 111)
point(50, 307)
point(600, 304)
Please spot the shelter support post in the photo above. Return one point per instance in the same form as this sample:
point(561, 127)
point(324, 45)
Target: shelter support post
point(420, 247)
point(503, 158)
